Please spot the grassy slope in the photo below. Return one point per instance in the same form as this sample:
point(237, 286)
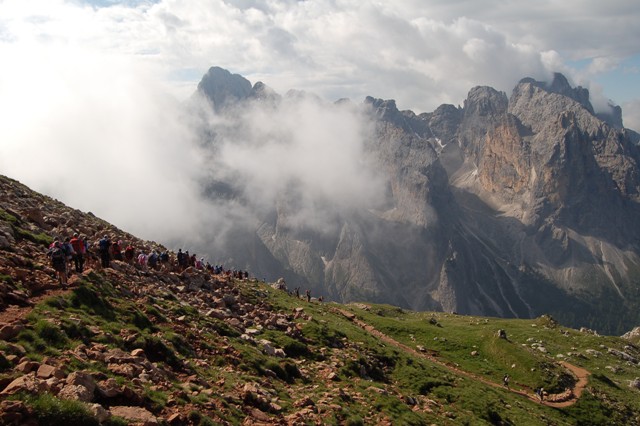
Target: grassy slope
point(378, 381)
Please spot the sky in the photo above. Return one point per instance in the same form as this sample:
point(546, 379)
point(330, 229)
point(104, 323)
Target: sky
point(90, 91)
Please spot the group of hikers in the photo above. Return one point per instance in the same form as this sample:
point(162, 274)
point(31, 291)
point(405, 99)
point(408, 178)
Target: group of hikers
point(71, 254)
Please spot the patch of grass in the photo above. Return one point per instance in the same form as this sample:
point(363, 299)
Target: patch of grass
point(6, 279)
point(154, 312)
point(590, 411)
point(51, 333)
point(52, 411)
point(157, 351)
point(39, 238)
point(180, 344)
point(91, 300)
point(156, 400)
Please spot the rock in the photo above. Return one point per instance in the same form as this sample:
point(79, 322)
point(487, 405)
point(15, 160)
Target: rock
point(623, 355)
point(27, 367)
point(13, 412)
point(176, 419)
point(502, 334)
point(632, 335)
point(45, 371)
point(100, 413)
point(9, 331)
point(134, 414)
point(82, 379)
point(27, 383)
point(259, 415)
point(635, 383)
point(76, 393)
point(138, 353)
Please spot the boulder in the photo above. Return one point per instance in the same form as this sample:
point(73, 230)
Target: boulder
point(134, 415)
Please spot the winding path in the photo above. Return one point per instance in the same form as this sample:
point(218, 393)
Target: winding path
point(575, 393)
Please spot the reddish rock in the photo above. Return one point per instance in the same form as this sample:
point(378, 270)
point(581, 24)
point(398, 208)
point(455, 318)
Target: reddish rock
point(46, 371)
point(27, 383)
point(134, 414)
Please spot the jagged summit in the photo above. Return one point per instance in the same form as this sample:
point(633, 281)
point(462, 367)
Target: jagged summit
point(223, 88)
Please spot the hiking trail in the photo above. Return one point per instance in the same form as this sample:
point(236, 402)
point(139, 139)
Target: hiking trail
point(575, 392)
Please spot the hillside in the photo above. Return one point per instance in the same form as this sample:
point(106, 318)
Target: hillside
point(133, 345)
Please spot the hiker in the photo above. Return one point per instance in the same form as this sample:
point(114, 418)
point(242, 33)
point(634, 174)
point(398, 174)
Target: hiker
point(90, 257)
point(505, 381)
point(79, 250)
point(308, 293)
point(540, 393)
point(104, 246)
point(68, 252)
point(186, 258)
point(129, 254)
point(116, 251)
point(58, 261)
point(200, 263)
point(152, 260)
point(142, 260)
point(164, 260)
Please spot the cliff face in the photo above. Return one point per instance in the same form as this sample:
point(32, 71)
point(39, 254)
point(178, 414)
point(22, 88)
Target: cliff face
point(507, 206)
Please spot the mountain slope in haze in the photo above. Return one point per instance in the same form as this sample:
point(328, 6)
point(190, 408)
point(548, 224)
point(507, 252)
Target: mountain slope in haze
point(129, 345)
point(506, 206)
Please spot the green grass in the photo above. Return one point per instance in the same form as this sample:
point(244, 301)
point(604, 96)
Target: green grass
point(379, 379)
point(51, 411)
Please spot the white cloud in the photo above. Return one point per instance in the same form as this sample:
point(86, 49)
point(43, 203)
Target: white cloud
point(631, 114)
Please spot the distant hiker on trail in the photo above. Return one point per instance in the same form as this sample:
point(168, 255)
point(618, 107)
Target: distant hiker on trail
point(297, 291)
point(505, 381)
point(129, 254)
point(79, 250)
point(540, 393)
point(104, 246)
point(308, 293)
point(58, 261)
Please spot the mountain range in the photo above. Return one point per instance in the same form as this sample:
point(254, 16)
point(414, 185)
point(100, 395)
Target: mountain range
point(510, 206)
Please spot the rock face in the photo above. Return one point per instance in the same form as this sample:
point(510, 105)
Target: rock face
point(509, 206)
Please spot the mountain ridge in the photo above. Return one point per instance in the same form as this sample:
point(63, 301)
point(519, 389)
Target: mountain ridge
point(492, 199)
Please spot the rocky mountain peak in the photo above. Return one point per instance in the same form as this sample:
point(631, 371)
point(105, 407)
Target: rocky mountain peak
point(223, 88)
point(560, 85)
point(485, 101)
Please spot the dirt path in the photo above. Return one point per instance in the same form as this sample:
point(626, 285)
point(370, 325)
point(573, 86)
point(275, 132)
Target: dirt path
point(576, 392)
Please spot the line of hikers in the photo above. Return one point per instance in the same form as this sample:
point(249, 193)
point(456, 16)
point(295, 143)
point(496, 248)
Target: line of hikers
point(77, 251)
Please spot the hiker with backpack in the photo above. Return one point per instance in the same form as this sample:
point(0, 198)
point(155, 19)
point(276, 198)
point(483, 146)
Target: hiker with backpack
point(152, 260)
point(78, 252)
point(58, 261)
point(68, 252)
point(104, 246)
point(164, 260)
point(129, 254)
